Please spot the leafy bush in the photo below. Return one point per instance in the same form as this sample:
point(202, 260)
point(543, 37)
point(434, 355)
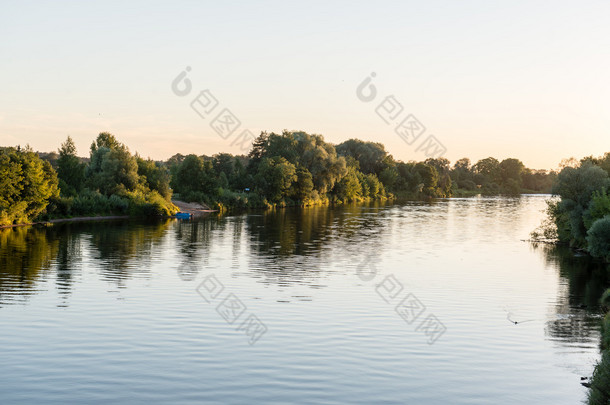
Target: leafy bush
point(60, 207)
point(546, 232)
point(467, 185)
point(598, 208)
point(90, 202)
point(598, 238)
point(149, 204)
point(27, 183)
point(578, 184)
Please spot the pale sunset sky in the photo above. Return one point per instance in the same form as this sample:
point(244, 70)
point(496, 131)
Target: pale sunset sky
point(524, 79)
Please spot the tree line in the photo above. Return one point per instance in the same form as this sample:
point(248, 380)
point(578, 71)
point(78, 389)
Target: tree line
point(580, 218)
point(581, 215)
point(296, 168)
point(287, 169)
point(111, 182)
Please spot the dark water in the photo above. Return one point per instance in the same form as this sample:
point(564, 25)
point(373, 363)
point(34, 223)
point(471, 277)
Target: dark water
point(321, 305)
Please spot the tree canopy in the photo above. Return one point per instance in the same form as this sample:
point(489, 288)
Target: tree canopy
point(289, 168)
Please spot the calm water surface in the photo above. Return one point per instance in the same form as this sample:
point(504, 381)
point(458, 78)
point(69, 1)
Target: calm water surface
point(110, 312)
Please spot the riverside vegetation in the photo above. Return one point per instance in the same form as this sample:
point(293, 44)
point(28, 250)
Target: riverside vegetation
point(287, 169)
point(580, 218)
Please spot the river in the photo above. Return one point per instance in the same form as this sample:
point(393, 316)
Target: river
point(375, 303)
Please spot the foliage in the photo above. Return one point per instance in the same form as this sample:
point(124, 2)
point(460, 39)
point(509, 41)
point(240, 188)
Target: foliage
point(578, 184)
point(194, 178)
point(371, 156)
point(582, 214)
point(511, 172)
point(538, 180)
point(546, 232)
point(112, 169)
point(427, 178)
point(113, 183)
point(70, 170)
point(27, 183)
point(598, 238)
point(598, 208)
point(578, 187)
point(349, 187)
point(149, 204)
point(303, 186)
point(154, 176)
point(487, 171)
point(599, 394)
point(275, 177)
point(92, 202)
point(291, 168)
point(373, 185)
point(298, 168)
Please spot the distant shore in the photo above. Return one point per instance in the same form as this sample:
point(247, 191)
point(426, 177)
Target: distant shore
point(74, 219)
point(191, 208)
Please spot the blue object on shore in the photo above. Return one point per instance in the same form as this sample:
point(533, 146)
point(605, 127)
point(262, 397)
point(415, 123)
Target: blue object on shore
point(183, 215)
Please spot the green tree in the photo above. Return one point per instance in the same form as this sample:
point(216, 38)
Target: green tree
point(275, 177)
point(599, 207)
point(224, 163)
point(375, 188)
point(603, 161)
point(371, 156)
point(442, 166)
point(598, 238)
point(154, 176)
point(578, 184)
point(462, 164)
point(349, 187)
point(106, 140)
point(389, 177)
point(487, 171)
point(462, 174)
point(27, 184)
point(188, 175)
point(303, 186)
point(511, 172)
point(538, 180)
point(429, 179)
point(70, 170)
point(240, 179)
point(576, 187)
point(113, 169)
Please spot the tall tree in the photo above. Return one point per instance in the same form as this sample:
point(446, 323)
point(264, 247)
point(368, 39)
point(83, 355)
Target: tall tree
point(275, 177)
point(370, 155)
point(113, 169)
point(70, 170)
point(27, 185)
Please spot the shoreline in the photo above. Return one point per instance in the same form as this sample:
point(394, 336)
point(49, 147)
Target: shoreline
point(195, 209)
point(192, 208)
point(74, 219)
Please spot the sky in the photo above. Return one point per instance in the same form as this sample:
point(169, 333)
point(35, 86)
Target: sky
point(524, 79)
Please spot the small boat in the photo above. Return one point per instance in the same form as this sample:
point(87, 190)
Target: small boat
point(183, 215)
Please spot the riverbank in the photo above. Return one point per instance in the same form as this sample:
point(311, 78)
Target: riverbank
point(599, 383)
point(192, 208)
point(195, 209)
point(75, 219)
